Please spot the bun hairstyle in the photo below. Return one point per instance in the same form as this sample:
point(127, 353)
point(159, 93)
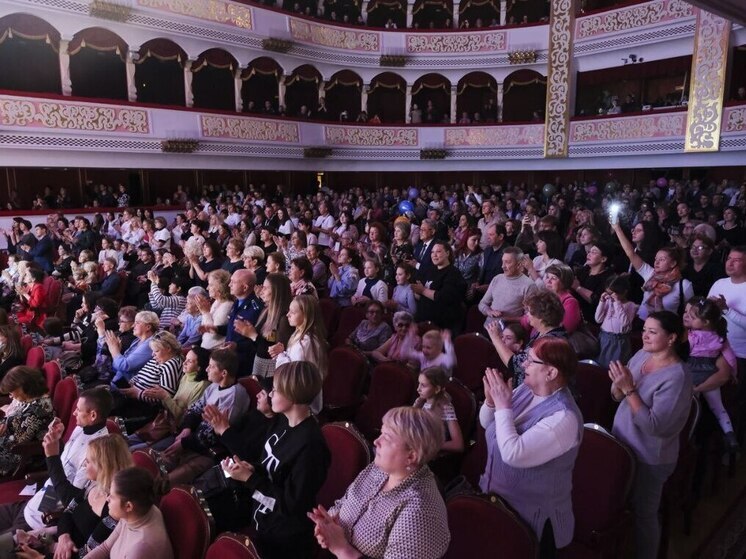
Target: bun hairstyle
point(707, 310)
point(136, 485)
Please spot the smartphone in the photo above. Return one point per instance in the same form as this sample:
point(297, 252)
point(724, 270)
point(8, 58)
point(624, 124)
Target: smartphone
point(230, 463)
point(337, 246)
point(501, 324)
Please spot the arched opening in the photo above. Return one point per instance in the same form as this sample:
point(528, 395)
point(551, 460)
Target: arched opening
point(380, 12)
point(432, 14)
point(343, 95)
point(475, 98)
point(261, 86)
point(524, 96)
point(32, 40)
point(302, 90)
point(159, 73)
point(527, 11)
point(212, 83)
point(387, 97)
point(432, 95)
point(477, 14)
point(97, 67)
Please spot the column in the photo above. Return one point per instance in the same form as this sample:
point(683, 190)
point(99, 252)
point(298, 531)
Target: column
point(364, 97)
point(237, 83)
point(407, 103)
point(503, 12)
point(281, 87)
point(456, 6)
point(410, 5)
point(704, 113)
point(188, 93)
point(454, 95)
point(500, 101)
point(129, 65)
point(560, 78)
point(67, 85)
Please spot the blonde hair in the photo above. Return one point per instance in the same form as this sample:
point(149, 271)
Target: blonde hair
point(299, 381)
point(166, 340)
point(313, 327)
point(433, 336)
point(149, 318)
point(420, 430)
point(254, 252)
point(111, 454)
point(223, 278)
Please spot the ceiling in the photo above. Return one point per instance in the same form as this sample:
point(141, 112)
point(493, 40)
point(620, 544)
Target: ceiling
point(734, 10)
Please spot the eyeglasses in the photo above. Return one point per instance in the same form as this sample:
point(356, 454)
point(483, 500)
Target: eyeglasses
point(699, 248)
point(373, 311)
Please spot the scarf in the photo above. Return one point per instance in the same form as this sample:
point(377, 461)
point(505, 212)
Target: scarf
point(659, 286)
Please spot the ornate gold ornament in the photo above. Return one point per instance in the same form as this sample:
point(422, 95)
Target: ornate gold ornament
point(113, 11)
point(522, 56)
point(559, 76)
point(276, 45)
point(179, 145)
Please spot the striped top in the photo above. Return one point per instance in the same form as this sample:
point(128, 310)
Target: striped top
point(165, 375)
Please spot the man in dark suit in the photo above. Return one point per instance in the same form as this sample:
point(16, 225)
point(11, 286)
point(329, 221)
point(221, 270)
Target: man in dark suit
point(492, 257)
point(109, 285)
point(43, 251)
point(422, 261)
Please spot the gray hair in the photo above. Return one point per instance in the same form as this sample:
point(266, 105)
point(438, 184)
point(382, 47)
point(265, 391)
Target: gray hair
point(197, 291)
point(149, 318)
point(402, 316)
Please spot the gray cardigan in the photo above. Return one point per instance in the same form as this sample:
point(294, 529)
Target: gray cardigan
point(653, 432)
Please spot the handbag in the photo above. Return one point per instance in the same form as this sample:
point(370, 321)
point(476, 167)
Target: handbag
point(158, 429)
point(584, 343)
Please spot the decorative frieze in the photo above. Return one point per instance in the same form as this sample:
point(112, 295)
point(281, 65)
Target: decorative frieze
point(457, 43)
point(629, 128)
point(735, 119)
point(631, 17)
point(247, 128)
point(335, 37)
point(71, 116)
point(503, 136)
point(229, 13)
point(559, 78)
point(370, 136)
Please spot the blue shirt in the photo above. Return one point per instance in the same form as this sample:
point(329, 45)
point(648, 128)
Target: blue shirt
point(190, 333)
point(131, 361)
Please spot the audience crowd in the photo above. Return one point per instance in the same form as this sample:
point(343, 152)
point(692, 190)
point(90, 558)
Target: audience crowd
point(162, 324)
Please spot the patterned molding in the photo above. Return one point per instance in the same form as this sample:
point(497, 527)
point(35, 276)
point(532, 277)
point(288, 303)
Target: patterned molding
point(247, 128)
point(335, 37)
point(705, 111)
point(371, 136)
point(655, 35)
point(631, 17)
point(107, 145)
point(559, 76)
point(645, 127)
point(71, 116)
point(735, 119)
point(526, 135)
point(455, 43)
point(217, 11)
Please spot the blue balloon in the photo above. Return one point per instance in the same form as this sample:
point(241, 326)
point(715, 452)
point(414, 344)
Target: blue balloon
point(413, 193)
point(405, 206)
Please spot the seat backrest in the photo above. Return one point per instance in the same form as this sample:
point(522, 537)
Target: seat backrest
point(601, 482)
point(330, 312)
point(113, 426)
point(391, 385)
point(479, 523)
point(343, 385)
point(52, 294)
point(465, 405)
point(252, 387)
point(474, 353)
point(474, 321)
point(592, 388)
point(475, 457)
point(425, 326)
point(349, 318)
point(26, 343)
point(121, 288)
point(229, 545)
point(35, 357)
point(71, 422)
point(188, 523)
point(52, 374)
point(145, 458)
point(64, 398)
point(350, 454)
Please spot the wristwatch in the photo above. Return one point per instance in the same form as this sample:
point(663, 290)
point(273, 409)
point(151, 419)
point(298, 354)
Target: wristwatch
point(630, 391)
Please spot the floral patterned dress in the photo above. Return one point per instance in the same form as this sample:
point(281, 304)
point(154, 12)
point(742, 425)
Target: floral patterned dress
point(28, 422)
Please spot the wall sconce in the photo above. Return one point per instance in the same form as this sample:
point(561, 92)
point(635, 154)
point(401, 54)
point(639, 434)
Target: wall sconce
point(396, 60)
point(522, 57)
point(277, 45)
point(179, 145)
point(109, 10)
point(433, 154)
point(632, 58)
point(317, 152)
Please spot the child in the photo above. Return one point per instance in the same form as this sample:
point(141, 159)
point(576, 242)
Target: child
point(434, 398)
point(172, 303)
point(437, 349)
point(51, 341)
point(615, 314)
point(707, 342)
point(514, 336)
point(403, 297)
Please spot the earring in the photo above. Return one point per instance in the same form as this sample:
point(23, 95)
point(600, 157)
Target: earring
point(409, 468)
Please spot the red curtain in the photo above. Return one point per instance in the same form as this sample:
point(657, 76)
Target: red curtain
point(388, 80)
point(29, 27)
point(263, 66)
point(99, 39)
point(164, 50)
point(431, 81)
point(306, 73)
point(215, 58)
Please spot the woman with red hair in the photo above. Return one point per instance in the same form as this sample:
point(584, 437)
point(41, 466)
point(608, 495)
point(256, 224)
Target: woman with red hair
point(533, 437)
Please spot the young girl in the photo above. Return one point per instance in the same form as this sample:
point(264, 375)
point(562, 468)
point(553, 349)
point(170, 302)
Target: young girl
point(403, 296)
point(437, 349)
point(514, 336)
point(434, 398)
point(707, 342)
point(615, 314)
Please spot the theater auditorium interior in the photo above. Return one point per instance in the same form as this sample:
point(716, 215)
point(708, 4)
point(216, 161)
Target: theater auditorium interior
point(388, 279)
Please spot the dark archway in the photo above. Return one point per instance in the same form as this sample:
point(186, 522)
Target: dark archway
point(213, 84)
point(381, 11)
point(475, 96)
point(343, 91)
point(432, 14)
point(260, 84)
point(432, 94)
point(97, 67)
point(159, 73)
point(32, 40)
point(387, 97)
point(302, 89)
point(479, 13)
point(524, 96)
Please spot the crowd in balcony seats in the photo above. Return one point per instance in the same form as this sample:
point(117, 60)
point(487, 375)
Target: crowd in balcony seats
point(229, 341)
